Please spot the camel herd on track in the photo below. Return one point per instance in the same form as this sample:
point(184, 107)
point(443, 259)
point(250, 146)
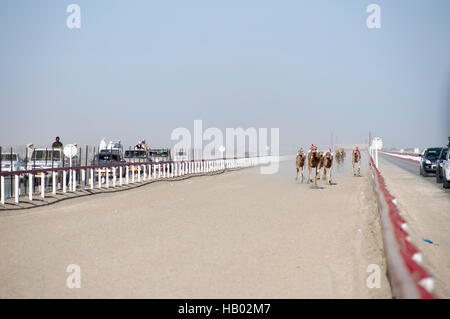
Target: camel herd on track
point(323, 162)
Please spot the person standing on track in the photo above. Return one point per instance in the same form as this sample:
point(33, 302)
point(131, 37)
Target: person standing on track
point(356, 160)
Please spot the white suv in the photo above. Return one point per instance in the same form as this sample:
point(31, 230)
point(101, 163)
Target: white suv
point(42, 158)
point(11, 162)
point(446, 172)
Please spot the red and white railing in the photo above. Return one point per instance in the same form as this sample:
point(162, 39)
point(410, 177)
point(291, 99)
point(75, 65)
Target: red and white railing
point(411, 157)
point(407, 276)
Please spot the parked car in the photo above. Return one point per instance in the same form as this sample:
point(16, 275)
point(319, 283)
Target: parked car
point(180, 155)
point(109, 157)
point(428, 160)
point(446, 171)
point(42, 158)
point(12, 162)
point(136, 156)
point(440, 162)
point(160, 155)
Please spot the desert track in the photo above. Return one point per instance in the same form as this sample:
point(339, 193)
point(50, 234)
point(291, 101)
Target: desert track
point(234, 235)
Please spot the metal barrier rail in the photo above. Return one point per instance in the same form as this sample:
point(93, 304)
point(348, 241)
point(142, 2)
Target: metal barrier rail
point(398, 153)
point(99, 175)
point(409, 280)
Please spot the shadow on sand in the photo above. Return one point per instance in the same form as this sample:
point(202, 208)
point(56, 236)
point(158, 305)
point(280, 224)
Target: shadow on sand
point(317, 187)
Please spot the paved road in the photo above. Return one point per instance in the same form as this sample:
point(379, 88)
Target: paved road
point(236, 235)
point(414, 169)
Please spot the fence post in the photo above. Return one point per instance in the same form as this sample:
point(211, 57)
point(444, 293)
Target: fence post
point(99, 175)
point(83, 179)
point(74, 182)
point(64, 181)
point(2, 189)
point(120, 175)
point(54, 182)
point(92, 178)
point(107, 177)
point(70, 178)
point(16, 188)
point(30, 186)
point(43, 184)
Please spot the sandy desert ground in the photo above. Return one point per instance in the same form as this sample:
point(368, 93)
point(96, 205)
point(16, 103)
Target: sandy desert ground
point(234, 235)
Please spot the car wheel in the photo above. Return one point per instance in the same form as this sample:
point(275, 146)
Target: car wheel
point(446, 183)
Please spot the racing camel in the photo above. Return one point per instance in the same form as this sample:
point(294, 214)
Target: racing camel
point(300, 163)
point(340, 155)
point(314, 160)
point(356, 161)
point(327, 164)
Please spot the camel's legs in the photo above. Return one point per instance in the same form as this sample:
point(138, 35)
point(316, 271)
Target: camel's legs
point(309, 174)
point(329, 175)
point(317, 176)
point(302, 172)
point(296, 176)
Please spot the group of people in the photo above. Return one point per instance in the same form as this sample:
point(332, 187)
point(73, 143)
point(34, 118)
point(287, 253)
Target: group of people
point(323, 161)
point(56, 144)
point(142, 145)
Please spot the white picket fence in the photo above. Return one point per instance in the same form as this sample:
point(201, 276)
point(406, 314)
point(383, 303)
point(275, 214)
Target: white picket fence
point(107, 176)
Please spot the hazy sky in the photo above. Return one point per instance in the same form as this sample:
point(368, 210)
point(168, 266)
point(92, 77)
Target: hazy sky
point(142, 68)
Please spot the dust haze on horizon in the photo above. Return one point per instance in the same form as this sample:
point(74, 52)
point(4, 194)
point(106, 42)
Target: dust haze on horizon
point(310, 68)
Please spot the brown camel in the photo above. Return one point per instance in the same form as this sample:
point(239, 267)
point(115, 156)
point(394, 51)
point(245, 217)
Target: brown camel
point(314, 161)
point(327, 164)
point(356, 161)
point(300, 163)
point(340, 155)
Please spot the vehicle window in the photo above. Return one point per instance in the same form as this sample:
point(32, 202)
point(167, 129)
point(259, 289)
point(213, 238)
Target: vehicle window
point(9, 157)
point(135, 154)
point(433, 152)
point(160, 153)
point(42, 155)
point(108, 157)
point(443, 154)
